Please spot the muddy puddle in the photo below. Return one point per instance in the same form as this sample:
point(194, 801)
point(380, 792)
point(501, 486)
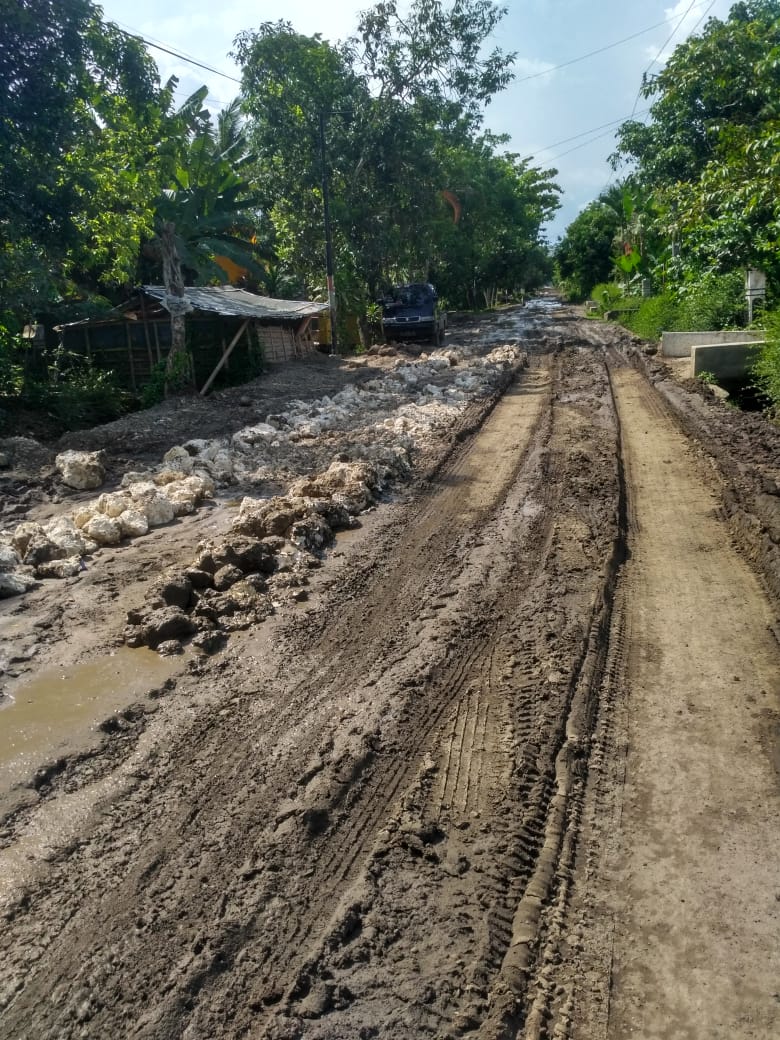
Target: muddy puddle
point(61, 707)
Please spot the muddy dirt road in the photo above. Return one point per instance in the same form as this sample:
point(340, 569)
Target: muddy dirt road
point(509, 770)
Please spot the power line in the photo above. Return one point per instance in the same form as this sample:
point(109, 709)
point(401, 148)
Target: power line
point(606, 47)
point(135, 34)
point(593, 130)
point(168, 49)
point(668, 40)
point(590, 54)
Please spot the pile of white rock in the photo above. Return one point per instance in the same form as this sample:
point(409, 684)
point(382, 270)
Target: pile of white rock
point(265, 559)
point(387, 416)
point(56, 548)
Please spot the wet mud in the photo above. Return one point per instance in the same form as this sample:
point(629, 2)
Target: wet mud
point(395, 808)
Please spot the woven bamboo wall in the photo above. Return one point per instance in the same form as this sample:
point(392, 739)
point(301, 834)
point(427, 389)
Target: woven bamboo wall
point(131, 349)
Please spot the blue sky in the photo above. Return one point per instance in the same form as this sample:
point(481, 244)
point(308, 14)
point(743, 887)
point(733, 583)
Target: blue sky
point(557, 115)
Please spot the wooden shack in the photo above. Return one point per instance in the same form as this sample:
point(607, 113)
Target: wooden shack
point(226, 327)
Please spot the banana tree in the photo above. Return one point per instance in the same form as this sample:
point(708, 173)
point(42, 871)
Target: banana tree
point(207, 211)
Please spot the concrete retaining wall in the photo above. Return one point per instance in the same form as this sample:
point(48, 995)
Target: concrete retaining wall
point(679, 344)
point(725, 360)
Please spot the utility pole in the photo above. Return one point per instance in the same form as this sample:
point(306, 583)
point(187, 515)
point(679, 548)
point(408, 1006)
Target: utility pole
point(328, 240)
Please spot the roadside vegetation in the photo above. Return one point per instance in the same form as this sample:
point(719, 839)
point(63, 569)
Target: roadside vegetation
point(667, 247)
point(106, 183)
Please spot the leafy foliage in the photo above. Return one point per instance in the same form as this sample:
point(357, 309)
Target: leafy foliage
point(584, 257)
point(713, 302)
point(104, 182)
point(77, 119)
point(79, 397)
point(433, 56)
point(766, 370)
point(655, 315)
point(710, 152)
point(398, 106)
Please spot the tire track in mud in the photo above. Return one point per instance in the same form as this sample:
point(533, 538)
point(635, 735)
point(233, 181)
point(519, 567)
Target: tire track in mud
point(393, 770)
point(377, 836)
point(644, 960)
point(549, 997)
point(160, 869)
point(525, 855)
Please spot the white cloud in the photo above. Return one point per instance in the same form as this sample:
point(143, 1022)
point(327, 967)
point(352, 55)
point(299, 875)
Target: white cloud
point(682, 20)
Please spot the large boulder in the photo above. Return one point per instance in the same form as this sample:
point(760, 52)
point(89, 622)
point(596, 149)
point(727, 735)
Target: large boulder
point(105, 530)
point(68, 538)
point(68, 567)
point(9, 558)
point(178, 459)
point(182, 498)
point(24, 534)
point(249, 555)
point(351, 483)
point(15, 583)
point(158, 627)
point(134, 476)
point(82, 470)
point(262, 518)
point(133, 523)
point(227, 576)
point(175, 590)
point(311, 532)
point(114, 503)
point(149, 500)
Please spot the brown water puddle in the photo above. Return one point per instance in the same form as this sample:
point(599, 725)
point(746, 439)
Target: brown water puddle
point(60, 707)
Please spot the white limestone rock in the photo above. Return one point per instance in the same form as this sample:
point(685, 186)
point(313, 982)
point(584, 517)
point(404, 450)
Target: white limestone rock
point(179, 459)
point(133, 523)
point(68, 567)
point(15, 583)
point(181, 498)
point(9, 558)
point(81, 470)
point(114, 503)
point(24, 534)
point(159, 510)
point(67, 537)
point(135, 477)
point(105, 530)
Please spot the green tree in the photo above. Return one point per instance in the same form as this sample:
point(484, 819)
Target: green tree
point(709, 153)
point(205, 212)
point(401, 100)
point(79, 114)
point(433, 56)
point(584, 256)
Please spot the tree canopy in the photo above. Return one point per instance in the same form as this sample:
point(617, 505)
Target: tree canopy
point(97, 162)
point(709, 152)
point(401, 102)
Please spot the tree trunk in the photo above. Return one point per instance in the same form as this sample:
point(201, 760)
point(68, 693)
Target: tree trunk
point(178, 370)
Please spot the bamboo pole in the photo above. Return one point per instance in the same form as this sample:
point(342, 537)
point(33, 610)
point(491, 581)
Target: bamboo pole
point(130, 357)
point(223, 360)
point(146, 334)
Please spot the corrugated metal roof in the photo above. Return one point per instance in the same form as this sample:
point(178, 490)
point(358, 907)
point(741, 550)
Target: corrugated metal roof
point(229, 301)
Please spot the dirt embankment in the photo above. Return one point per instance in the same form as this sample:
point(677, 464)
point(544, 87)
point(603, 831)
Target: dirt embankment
point(408, 805)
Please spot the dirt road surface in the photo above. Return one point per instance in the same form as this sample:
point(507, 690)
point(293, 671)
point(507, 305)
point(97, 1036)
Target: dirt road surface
point(510, 769)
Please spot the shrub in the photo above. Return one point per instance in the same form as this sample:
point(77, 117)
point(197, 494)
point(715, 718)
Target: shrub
point(714, 302)
point(161, 383)
point(655, 315)
point(766, 370)
point(606, 295)
point(81, 397)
